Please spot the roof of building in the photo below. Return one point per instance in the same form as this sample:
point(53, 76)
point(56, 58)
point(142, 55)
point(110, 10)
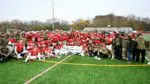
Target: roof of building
point(122, 29)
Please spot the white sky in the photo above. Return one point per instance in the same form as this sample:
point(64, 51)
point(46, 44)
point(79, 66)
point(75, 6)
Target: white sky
point(69, 10)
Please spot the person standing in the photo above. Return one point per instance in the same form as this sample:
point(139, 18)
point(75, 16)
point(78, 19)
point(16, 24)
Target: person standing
point(128, 48)
point(134, 45)
point(4, 52)
point(117, 47)
point(124, 46)
point(141, 49)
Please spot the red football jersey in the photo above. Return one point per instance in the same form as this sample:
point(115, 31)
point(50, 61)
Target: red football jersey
point(12, 40)
point(34, 51)
point(30, 45)
point(48, 49)
point(20, 47)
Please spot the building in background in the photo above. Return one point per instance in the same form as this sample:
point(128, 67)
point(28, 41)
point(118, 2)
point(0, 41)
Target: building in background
point(121, 29)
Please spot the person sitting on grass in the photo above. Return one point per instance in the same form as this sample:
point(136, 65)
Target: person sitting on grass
point(20, 49)
point(90, 50)
point(48, 52)
point(41, 46)
point(34, 53)
point(97, 53)
point(57, 48)
point(4, 51)
point(104, 51)
point(84, 50)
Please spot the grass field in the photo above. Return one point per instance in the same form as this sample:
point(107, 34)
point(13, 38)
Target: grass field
point(75, 70)
point(147, 37)
point(17, 72)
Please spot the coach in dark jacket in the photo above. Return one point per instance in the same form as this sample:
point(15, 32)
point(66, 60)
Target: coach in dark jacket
point(117, 45)
point(134, 45)
point(129, 48)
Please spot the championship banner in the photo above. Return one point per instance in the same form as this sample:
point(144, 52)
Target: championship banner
point(73, 49)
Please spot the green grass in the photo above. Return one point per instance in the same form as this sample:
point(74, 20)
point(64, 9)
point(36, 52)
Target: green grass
point(91, 60)
point(56, 59)
point(17, 72)
point(67, 74)
point(147, 37)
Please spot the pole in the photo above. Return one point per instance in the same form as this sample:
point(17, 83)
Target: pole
point(53, 15)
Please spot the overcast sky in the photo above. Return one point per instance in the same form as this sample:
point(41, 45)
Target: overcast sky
point(69, 10)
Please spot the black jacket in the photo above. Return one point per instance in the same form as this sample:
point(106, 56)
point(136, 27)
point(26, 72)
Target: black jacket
point(134, 45)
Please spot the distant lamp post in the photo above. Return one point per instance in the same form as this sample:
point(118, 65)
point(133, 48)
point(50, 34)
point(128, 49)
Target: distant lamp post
point(53, 15)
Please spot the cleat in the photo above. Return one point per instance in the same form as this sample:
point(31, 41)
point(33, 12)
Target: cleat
point(99, 59)
point(148, 63)
point(95, 57)
point(58, 57)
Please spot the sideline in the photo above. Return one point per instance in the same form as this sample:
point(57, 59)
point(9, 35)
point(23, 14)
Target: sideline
point(48, 69)
point(102, 65)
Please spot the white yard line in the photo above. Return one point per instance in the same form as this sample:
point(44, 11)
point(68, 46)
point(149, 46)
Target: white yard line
point(48, 69)
point(103, 65)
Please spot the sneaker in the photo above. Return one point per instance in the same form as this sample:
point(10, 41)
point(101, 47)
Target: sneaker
point(95, 57)
point(58, 57)
point(82, 55)
point(98, 58)
point(148, 63)
point(43, 59)
point(1, 59)
point(112, 58)
point(129, 62)
point(24, 61)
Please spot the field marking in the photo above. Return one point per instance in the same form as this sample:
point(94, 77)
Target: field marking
point(101, 65)
point(48, 69)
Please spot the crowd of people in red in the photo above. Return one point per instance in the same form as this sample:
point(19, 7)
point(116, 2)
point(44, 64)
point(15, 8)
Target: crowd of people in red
point(42, 44)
